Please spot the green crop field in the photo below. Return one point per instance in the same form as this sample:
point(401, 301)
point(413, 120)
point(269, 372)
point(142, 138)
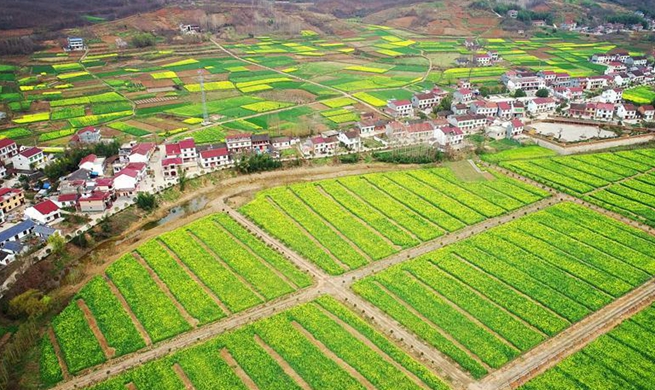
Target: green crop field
point(322, 344)
point(194, 275)
point(485, 300)
point(367, 218)
point(622, 182)
point(621, 359)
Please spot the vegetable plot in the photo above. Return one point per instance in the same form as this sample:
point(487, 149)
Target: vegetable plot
point(485, 300)
point(345, 223)
point(323, 343)
point(210, 269)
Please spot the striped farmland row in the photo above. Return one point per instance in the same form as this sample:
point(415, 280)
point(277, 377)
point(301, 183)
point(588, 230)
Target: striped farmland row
point(621, 359)
point(194, 275)
point(321, 345)
point(345, 223)
point(485, 300)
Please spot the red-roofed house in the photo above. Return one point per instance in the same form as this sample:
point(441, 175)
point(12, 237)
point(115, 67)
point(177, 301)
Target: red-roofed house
point(541, 105)
point(214, 158)
point(126, 182)
point(483, 107)
point(504, 110)
point(67, 200)
point(185, 149)
point(29, 159)
point(88, 135)
point(514, 128)
point(96, 202)
point(400, 108)
point(482, 59)
point(44, 212)
point(8, 149)
point(141, 153)
point(420, 131)
point(447, 136)
point(93, 163)
point(425, 101)
point(647, 112)
point(10, 198)
point(463, 95)
point(170, 166)
point(238, 143)
point(604, 111)
point(105, 184)
point(626, 111)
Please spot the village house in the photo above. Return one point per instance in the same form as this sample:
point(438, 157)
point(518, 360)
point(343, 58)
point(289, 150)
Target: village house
point(539, 23)
point(613, 95)
point(170, 167)
point(548, 75)
point(468, 123)
point(459, 108)
point(604, 111)
point(134, 153)
point(3, 170)
point(88, 135)
point(626, 111)
point(504, 110)
point(541, 105)
point(513, 13)
point(95, 202)
point(462, 95)
point(350, 140)
point(11, 198)
point(636, 61)
point(238, 143)
point(448, 136)
point(185, 150)
point(483, 107)
point(515, 127)
point(615, 66)
point(75, 43)
point(67, 200)
point(425, 101)
point(524, 81)
point(518, 109)
point(16, 232)
point(126, 182)
point(323, 145)
point(8, 149)
point(366, 128)
point(260, 143)
point(281, 143)
point(482, 59)
point(400, 108)
point(43, 212)
point(563, 79)
point(29, 159)
point(94, 164)
point(189, 29)
point(420, 131)
point(647, 112)
point(213, 158)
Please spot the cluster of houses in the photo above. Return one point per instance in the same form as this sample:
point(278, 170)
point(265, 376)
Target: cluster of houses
point(602, 29)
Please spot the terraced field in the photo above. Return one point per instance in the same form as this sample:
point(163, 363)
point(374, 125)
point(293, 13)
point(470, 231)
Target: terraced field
point(320, 345)
point(347, 223)
point(621, 359)
point(623, 182)
point(486, 300)
point(191, 276)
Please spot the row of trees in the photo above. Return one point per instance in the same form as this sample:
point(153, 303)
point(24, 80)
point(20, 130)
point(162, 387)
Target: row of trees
point(70, 160)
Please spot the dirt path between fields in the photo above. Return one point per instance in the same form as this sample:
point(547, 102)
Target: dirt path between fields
point(142, 331)
point(183, 377)
point(283, 363)
point(243, 376)
point(93, 324)
point(60, 355)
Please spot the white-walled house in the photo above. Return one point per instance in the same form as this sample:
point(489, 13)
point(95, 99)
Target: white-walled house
point(613, 95)
point(8, 149)
point(29, 159)
point(400, 108)
point(211, 158)
point(647, 112)
point(44, 212)
point(626, 111)
point(541, 105)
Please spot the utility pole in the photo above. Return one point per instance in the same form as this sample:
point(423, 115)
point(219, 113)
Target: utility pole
point(205, 115)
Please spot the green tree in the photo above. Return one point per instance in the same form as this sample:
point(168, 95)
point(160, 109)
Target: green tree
point(520, 93)
point(181, 175)
point(57, 242)
point(31, 303)
point(542, 93)
point(146, 201)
